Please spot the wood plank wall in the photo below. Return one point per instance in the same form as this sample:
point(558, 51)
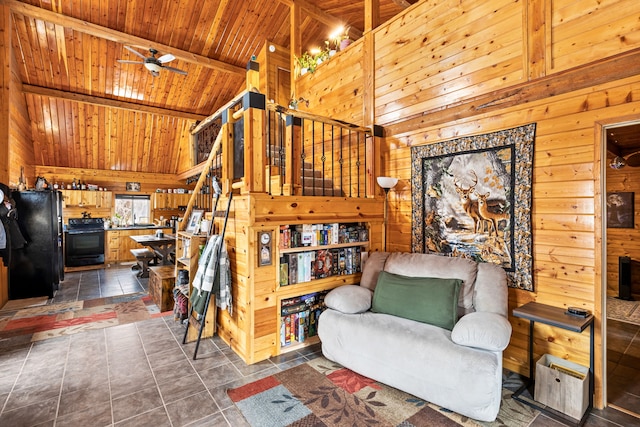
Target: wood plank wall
point(335, 89)
point(5, 94)
point(21, 150)
point(454, 68)
point(275, 76)
point(16, 149)
point(106, 137)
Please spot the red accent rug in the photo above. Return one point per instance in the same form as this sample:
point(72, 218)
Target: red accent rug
point(44, 321)
point(323, 393)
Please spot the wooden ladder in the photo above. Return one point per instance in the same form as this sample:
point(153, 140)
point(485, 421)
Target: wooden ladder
point(192, 319)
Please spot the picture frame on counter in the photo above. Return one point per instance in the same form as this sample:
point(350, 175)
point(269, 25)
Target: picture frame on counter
point(194, 221)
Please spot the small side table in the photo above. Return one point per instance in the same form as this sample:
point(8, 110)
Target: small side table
point(557, 317)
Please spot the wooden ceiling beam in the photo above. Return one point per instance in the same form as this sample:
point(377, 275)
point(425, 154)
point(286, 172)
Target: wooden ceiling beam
point(320, 15)
point(119, 37)
point(109, 103)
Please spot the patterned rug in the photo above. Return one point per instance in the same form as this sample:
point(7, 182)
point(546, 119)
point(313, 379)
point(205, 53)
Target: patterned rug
point(44, 321)
point(323, 393)
point(624, 311)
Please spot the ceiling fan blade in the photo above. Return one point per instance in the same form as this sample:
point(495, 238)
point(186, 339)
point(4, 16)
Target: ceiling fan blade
point(126, 61)
point(135, 52)
point(633, 160)
point(175, 70)
point(167, 57)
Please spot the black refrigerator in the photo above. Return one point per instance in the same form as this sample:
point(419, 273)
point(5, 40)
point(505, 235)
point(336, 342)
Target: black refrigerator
point(38, 267)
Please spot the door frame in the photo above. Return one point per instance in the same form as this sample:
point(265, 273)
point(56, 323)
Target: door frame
point(600, 227)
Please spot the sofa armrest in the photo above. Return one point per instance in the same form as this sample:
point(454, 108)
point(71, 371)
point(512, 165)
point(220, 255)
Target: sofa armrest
point(488, 331)
point(349, 299)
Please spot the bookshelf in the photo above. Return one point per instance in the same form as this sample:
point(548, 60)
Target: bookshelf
point(299, 320)
point(187, 256)
point(313, 259)
point(252, 328)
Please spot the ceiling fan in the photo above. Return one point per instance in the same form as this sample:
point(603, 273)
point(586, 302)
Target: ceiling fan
point(153, 64)
point(618, 162)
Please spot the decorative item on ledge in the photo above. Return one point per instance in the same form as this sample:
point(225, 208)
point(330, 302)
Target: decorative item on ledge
point(386, 183)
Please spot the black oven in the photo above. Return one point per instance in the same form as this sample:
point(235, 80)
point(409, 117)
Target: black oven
point(84, 242)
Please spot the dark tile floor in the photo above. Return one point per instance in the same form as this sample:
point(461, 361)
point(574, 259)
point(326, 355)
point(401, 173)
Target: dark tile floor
point(623, 365)
point(140, 374)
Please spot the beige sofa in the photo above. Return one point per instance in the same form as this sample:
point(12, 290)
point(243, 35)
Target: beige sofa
point(458, 364)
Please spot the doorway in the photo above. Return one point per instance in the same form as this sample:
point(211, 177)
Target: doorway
point(621, 294)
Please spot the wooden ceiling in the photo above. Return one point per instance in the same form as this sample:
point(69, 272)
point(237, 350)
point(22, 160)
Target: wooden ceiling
point(90, 111)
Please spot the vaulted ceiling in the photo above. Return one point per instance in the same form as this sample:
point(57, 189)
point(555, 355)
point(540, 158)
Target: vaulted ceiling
point(87, 110)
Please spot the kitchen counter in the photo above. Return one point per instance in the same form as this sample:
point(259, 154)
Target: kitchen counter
point(140, 227)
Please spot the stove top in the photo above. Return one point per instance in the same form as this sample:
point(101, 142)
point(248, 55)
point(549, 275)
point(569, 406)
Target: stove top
point(85, 224)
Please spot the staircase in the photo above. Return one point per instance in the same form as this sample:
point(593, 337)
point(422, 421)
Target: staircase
point(313, 182)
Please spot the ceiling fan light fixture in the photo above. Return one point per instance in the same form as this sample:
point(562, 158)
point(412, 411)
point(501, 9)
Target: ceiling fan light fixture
point(153, 67)
point(617, 163)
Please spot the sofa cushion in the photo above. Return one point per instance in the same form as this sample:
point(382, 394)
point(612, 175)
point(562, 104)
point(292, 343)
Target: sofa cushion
point(431, 265)
point(373, 265)
point(489, 331)
point(349, 299)
point(424, 299)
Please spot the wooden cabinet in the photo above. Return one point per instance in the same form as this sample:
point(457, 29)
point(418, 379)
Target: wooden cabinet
point(161, 282)
point(112, 246)
point(188, 249)
point(104, 199)
point(87, 199)
point(169, 201)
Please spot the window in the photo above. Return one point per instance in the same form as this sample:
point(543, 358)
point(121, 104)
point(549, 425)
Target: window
point(132, 210)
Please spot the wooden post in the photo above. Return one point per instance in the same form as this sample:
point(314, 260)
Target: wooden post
point(253, 76)
point(254, 142)
point(292, 133)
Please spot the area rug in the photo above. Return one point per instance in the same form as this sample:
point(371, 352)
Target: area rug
point(323, 393)
point(624, 311)
point(54, 320)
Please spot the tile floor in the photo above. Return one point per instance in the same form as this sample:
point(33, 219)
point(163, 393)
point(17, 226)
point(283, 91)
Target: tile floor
point(140, 374)
point(623, 365)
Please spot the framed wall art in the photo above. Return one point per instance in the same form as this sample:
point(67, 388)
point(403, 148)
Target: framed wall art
point(620, 210)
point(472, 198)
point(133, 186)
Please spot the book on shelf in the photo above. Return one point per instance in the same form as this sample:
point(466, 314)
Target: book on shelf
point(299, 317)
point(293, 268)
point(297, 236)
point(303, 267)
point(284, 270)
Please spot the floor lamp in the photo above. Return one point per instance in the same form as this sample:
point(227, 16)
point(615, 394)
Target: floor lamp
point(386, 183)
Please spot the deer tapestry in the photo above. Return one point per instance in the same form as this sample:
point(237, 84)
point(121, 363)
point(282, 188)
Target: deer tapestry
point(472, 198)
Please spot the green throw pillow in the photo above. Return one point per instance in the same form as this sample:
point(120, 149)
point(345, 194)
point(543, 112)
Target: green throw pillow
point(424, 299)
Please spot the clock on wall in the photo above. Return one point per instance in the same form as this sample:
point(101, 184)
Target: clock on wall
point(264, 237)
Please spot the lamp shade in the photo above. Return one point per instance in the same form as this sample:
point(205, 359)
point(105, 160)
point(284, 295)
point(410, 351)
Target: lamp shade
point(387, 182)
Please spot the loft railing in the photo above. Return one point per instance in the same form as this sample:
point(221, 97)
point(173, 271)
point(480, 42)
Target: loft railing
point(257, 147)
point(310, 155)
